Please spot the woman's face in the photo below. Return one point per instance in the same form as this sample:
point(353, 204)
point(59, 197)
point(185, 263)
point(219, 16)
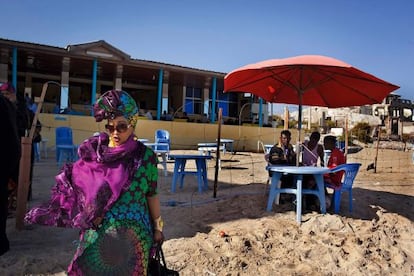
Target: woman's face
point(119, 130)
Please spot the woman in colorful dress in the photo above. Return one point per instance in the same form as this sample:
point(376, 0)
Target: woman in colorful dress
point(110, 193)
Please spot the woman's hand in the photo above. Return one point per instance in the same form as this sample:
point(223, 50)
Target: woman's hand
point(158, 237)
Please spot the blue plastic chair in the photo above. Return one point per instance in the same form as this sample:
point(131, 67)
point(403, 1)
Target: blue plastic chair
point(351, 170)
point(162, 140)
point(65, 149)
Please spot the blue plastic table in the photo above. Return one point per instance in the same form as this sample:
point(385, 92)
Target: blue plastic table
point(298, 172)
point(180, 171)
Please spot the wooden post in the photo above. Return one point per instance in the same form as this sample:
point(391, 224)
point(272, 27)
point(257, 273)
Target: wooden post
point(217, 152)
point(24, 179)
point(286, 119)
point(24, 166)
point(376, 153)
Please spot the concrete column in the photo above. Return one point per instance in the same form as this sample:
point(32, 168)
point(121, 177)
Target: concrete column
point(14, 68)
point(159, 93)
point(118, 77)
point(94, 80)
point(165, 81)
point(64, 88)
point(206, 95)
point(213, 100)
point(183, 107)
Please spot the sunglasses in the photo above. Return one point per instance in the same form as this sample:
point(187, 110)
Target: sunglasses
point(121, 127)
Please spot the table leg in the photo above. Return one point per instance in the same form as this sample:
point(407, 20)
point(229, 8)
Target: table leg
point(44, 147)
point(299, 198)
point(164, 162)
point(321, 191)
point(274, 190)
point(175, 175)
point(200, 181)
point(36, 149)
point(182, 172)
point(205, 174)
point(204, 169)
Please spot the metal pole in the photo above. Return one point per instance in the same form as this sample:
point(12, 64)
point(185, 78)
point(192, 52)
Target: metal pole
point(346, 138)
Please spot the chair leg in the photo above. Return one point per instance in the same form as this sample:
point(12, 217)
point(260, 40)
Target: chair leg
point(337, 201)
point(57, 154)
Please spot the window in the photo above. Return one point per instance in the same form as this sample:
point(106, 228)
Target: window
point(193, 101)
point(226, 101)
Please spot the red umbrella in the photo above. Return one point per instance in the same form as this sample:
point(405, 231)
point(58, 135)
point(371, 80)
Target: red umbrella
point(308, 80)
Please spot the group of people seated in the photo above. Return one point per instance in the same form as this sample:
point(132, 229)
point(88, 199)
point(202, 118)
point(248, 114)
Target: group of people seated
point(284, 154)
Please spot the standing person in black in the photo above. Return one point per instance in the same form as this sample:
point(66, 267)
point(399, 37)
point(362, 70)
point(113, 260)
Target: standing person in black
point(10, 157)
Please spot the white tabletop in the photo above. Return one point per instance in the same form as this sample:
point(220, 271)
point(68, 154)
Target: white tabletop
point(226, 140)
point(298, 170)
point(207, 144)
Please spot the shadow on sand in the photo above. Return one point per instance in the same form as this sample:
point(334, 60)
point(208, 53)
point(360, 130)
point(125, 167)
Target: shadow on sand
point(227, 207)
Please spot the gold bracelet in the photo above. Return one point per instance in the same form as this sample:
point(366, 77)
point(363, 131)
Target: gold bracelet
point(158, 224)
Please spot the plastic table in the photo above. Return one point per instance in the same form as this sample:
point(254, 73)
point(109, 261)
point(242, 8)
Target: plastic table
point(298, 172)
point(180, 160)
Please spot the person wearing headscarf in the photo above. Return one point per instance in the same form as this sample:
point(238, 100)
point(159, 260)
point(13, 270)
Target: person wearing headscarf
point(10, 155)
point(110, 194)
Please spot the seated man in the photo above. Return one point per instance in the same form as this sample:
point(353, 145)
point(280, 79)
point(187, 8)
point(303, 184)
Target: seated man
point(283, 154)
point(337, 158)
point(312, 150)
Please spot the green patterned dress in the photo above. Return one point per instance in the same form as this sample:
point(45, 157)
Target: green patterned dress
point(121, 243)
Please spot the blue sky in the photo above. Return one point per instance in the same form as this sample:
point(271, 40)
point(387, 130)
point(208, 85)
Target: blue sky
point(376, 36)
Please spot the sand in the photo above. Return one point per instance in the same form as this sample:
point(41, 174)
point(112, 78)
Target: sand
point(375, 239)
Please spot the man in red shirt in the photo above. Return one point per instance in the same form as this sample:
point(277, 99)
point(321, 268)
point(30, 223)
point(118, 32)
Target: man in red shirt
point(337, 158)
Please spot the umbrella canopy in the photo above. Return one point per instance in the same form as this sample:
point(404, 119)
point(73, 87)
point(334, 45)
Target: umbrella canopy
point(308, 80)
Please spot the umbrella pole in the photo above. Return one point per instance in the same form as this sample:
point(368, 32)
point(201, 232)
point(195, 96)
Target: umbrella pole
point(346, 138)
point(298, 144)
point(217, 153)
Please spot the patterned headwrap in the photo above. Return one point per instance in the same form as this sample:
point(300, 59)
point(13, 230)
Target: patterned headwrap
point(114, 103)
point(8, 87)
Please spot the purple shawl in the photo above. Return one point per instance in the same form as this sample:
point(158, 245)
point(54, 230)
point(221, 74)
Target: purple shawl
point(88, 188)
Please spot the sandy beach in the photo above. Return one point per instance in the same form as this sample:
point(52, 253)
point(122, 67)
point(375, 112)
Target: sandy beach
point(377, 238)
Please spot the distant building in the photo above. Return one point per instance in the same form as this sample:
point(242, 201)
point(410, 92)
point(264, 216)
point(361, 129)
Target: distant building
point(84, 70)
point(396, 115)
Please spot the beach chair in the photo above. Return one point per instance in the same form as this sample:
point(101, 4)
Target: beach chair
point(162, 147)
point(350, 172)
point(65, 149)
point(162, 140)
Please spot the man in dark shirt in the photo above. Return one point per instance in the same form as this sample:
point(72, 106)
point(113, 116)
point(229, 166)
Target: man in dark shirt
point(284, 155)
